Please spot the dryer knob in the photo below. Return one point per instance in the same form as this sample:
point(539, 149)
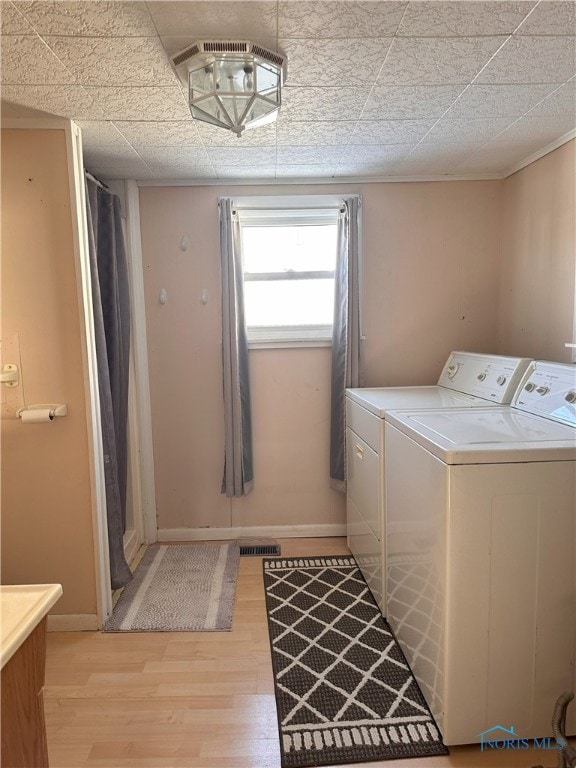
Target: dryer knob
point(501, 380)
point(543, 390)
point(571, 397)
point(481, 376)
point(452, 370)
point(530, 387)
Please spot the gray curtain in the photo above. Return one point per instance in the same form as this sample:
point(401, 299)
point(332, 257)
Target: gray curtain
point(111, 301)
point(346, 360)
point(238, 470)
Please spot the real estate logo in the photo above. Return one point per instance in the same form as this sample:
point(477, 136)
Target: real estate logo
point(500, 738)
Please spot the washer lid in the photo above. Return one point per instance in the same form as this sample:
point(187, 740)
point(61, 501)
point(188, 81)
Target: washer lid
point(487, 435)
point(382, 399)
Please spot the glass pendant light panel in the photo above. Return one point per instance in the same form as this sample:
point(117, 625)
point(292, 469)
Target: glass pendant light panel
point(268, 82)
point(201, 80)
point(230, 75)
point(211, 110)
point(262, 107)
point(235, 106)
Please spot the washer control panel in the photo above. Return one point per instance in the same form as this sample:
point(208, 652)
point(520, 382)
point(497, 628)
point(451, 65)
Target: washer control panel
point(549, 390)
point(491, 377)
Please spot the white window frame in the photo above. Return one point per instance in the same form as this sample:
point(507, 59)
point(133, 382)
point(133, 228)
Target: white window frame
point(282, 211)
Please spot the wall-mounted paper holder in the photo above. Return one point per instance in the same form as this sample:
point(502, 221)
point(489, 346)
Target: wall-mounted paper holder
point(10, 375)
point(42, 412)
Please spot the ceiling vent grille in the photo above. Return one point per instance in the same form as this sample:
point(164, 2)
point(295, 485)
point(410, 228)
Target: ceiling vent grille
point(186, 54)
point(219, 46)
point(228, 46)
point(264, 53)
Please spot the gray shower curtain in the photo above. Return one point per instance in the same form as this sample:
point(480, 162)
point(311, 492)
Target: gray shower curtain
point(238, 470)
point(111, 302)
point(346, 361)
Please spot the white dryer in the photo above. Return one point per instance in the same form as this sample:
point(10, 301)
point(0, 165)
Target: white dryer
point(467, 380)
point(481, 590)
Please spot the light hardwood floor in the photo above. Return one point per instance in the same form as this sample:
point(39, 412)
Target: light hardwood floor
point(191, 699)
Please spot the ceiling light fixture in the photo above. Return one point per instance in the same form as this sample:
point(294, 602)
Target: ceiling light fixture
point(232, 84)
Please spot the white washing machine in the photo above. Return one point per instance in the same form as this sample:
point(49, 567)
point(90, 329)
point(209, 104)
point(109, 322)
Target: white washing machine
point(467, 380)
point(481, 591)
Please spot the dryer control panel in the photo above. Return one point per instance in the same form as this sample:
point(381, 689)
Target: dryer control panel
point(492, 377)
point(549, 390)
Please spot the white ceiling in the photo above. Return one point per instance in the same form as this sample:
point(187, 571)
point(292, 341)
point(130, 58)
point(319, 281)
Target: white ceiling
point(374, 89)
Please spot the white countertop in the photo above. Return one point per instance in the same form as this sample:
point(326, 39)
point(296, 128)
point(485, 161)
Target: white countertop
point(22, 608)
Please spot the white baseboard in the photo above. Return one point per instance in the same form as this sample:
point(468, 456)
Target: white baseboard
point(267, 531)
point(73, 622)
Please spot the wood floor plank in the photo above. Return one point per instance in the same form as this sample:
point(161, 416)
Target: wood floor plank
point(192, 699)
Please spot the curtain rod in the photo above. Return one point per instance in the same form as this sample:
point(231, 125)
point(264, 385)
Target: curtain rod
point(289, 208)
point(96, 181)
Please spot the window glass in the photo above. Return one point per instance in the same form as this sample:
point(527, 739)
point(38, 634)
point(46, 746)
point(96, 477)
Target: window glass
point(289, 260)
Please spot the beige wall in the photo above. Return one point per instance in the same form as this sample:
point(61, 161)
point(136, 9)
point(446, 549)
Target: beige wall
point(431, 261)
point(46, 498)
point(539, 257)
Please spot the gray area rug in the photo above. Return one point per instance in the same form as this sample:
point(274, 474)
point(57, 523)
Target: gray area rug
point(179, 587)
point(344, 691)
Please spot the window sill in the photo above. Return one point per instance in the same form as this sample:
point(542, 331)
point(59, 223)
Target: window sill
point(287, 343)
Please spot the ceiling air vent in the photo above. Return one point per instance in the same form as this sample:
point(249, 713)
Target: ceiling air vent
point(186, 54)
point(223, 47)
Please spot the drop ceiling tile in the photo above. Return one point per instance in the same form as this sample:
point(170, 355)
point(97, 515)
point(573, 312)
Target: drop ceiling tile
point(338, 19)
point(106, 19)
point(251, 156)
point(161, 133)
point(115, 60)
point(532, 60)
point(99, 156)
point(245, 172)
point(100, 133)
point(61, 100)
point(561, 102)
point(12, 22)
point(421, 165)
point(358, 168)
point(334, 62)
point(447, 154)
point(314, 133)
point(140, 103)
point(390, 131)
point(498, 100)
point(25, 59)
point(183, 172)
point(308, 155)
point(180, 173)
point(212, 136)
point(189, 157)
point(405, 102)
point(496, 158)
point(540, 130)
point(236, 19)
point(443, 161)
point(323, 103)
point(551, 18)
point(135, 170)
point(371, 153)
point(461, 129)
point(467, 19)
point(437, 61)
point(305, 171)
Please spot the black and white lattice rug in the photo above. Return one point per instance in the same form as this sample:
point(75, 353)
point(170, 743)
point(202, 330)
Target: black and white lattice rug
point(344, 692)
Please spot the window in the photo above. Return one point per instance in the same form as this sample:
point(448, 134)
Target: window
point(289, 260)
